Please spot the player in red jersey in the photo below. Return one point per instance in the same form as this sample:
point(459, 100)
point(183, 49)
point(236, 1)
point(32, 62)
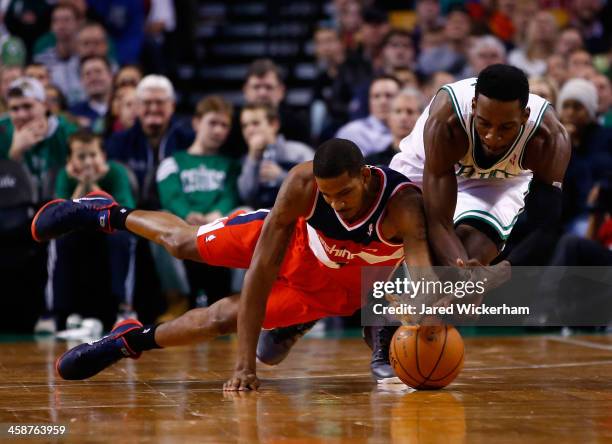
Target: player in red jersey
point(332, 216)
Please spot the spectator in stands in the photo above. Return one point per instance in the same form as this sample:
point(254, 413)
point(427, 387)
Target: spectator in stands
point(87, 170)
point(330, 54)
point(595, 249)
point(31, 136)
point(397, 53)
point(435, 82)
point(428, 17)
point(450, 54)
point(484, 51)
point(122, 112)
point(586, 15)
point(539, 44)
point(569, 41)
point(349, 21)
point(156, 135)
point(270, 156)
point(264, 85)
point(580, 64)
point(200, 186)
point(92, 40)
point(61, 59)
point(591, 155)
point(160, 22)
point(374, 27)
point(604, 93)
point(125, 22)
point(406, 77)
point(406, 108)
point(556, 69)
point(128, 75)
point(8, 74)
point(96, 78)
point(544, 87)
point(372, 134)
point(39, 72)
point(56, 102)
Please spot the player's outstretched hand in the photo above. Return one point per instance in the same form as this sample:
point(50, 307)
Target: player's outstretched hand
point(242, 380)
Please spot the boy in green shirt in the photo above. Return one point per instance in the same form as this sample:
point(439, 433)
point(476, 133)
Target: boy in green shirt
point(88, 170)
point(30, 135)
point(200, 185)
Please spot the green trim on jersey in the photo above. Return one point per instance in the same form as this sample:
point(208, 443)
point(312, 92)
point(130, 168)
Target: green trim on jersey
point(455, 103)
point(510, 150)
point(503, 230)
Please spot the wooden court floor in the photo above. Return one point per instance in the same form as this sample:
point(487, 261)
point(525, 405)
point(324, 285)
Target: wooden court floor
point(541, 389)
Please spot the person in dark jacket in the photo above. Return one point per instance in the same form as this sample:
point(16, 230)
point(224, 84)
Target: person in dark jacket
point(157, 134)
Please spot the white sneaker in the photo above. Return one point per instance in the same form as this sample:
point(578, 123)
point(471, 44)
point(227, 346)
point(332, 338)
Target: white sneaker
point(45, 326)
point(90, 329)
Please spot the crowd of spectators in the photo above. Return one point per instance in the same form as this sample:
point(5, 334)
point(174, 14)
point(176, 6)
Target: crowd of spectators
point(87, 103)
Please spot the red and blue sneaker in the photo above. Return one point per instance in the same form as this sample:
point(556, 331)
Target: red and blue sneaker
point(87, 360)
point(61, 216)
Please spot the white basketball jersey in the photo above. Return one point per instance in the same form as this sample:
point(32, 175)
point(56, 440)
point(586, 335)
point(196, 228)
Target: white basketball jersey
point(412, 149)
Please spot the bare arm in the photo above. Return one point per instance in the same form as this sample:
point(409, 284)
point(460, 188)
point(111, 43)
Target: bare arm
point(292, 202)
point(407, 215)
point(549, 152)
point(445, 144)
point(547, 155)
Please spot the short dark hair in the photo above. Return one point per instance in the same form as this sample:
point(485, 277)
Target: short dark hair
point(504, 83)
point(84, 136)
point(95, 57)
point(385, 77)
point(336, 156)
point(271, 111)
point(215, 104)
point(396, 32)
point(261, 67)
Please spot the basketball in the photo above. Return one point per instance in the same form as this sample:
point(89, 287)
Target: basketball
point(427, 357)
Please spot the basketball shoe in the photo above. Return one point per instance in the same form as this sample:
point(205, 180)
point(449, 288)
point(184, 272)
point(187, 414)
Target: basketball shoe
point(61, 216)
point(87, 360)
point(274, 345)
point(379, 340)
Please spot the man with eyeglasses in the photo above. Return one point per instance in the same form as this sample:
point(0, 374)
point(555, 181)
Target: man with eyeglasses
point(157, 134)
point(30, 134)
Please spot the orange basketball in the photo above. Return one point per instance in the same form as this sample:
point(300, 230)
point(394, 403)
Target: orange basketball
point(427, 357)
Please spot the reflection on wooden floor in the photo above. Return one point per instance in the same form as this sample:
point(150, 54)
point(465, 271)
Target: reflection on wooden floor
point(514, 389)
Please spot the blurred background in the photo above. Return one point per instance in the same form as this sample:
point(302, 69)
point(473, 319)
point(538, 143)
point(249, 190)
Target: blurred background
point(200, 108)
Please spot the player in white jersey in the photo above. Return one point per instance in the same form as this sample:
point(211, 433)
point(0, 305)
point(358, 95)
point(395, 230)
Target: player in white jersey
point(477, 150)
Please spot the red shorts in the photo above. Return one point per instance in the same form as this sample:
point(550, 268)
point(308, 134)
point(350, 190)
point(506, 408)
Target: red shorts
point(305, 290)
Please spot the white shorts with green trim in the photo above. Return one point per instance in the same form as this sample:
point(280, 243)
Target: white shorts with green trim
point(497, 202)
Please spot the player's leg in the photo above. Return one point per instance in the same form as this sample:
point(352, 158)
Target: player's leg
point(480, 243)
point(130, 338)
point(167, 230)
point(486, 212)
point(98, 211)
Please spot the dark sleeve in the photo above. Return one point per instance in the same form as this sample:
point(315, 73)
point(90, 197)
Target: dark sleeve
point(543, 210)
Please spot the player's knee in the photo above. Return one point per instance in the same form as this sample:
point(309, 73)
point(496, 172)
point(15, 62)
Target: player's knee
point(222, 319)
point(179, 243)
